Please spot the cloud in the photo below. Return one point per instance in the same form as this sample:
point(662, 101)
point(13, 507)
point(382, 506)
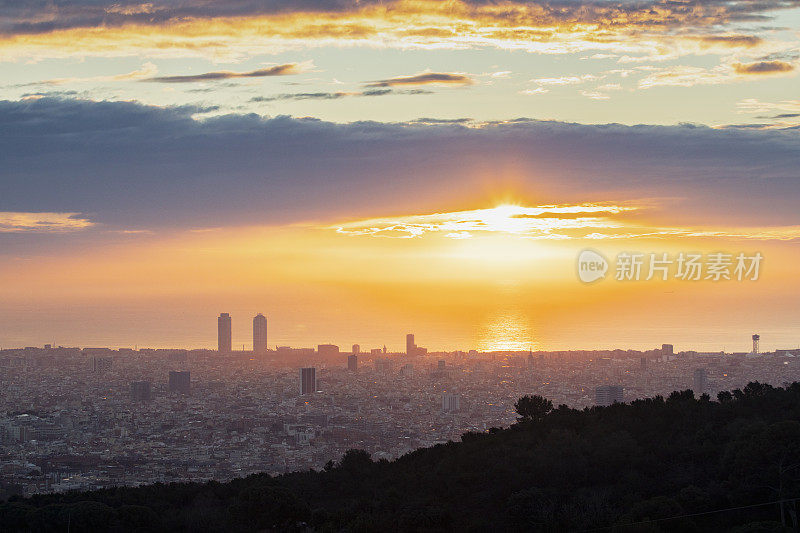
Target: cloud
point(567, 80)
point(277, 70)
point(781, 113)
point(18, 222)
point(754, 105)
point(533, 92)
point(595, 95)
point(744, 41)
point(241, 28)
point(337, 95)
point(136, 167)
point(763, 67)
point(425, 78)
point(147, 70)
point(562, 222)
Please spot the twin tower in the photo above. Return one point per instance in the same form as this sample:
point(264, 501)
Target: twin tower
point(259, 334)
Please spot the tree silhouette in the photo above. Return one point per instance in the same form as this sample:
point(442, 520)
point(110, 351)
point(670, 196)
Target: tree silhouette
point(532, 408)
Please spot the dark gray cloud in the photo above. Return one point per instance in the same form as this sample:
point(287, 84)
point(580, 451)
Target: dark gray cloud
point(763, 67)
point(128, 167)
point(779, 116)
point(277, 70)
point(425, 78)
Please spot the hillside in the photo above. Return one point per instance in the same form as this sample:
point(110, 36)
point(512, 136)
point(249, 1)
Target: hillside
point(661, 464)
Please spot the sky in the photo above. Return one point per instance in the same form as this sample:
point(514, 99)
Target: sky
point(357, 170)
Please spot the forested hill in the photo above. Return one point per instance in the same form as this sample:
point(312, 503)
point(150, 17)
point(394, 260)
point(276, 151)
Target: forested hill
point(663, 464)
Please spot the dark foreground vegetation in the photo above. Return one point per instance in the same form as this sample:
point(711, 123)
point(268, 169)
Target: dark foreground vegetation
point(664, 464)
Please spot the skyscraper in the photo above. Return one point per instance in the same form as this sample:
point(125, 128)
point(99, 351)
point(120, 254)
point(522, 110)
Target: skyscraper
point(356, 349)
point(224, 333)
point(260, 335)
point(101, 364)
point(352, 362)
point(308, 380)
point(411, 348)
point(140, 391)
point(700, 381)
point(451, 403)
point(608, 394)
point(180, 381)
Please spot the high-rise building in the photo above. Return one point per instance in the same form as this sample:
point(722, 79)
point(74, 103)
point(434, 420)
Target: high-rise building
point(410, 346)
point(352, 362)
point(180, 381)
point(700, 381)
point(756, 339)
point(356, 349)
point(101, 364)
point(451, 403)
point(224, 333)
point(141, 391)
point(308, 380)
point(609, 394)
point(260, 335)
point(667, 350)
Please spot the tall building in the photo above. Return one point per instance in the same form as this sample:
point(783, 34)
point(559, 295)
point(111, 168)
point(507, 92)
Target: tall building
point(356, 349)
point(411, 348)
point(141, 391)
point(451, 403)
point(700, 381)
point(352, 362)
point(260, 335)
point(224, 333)
point(101, 364)
point(608, 394)
point(667, 350)
point(308, 380)
point(180, 381)
point(756, 339)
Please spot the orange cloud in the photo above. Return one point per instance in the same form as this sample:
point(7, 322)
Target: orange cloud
point(228, 32)
point(17, 222)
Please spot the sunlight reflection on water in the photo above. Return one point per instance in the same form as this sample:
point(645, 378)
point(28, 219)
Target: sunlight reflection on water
point(509, 329)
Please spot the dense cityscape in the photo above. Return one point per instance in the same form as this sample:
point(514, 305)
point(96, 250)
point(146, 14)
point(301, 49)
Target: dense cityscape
point(86, 418)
